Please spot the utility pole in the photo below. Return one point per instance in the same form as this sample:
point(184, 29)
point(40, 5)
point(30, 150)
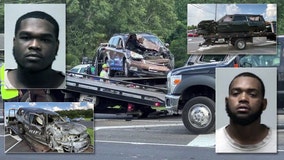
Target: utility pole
point(215, 12)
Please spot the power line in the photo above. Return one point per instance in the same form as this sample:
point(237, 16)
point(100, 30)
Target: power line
point(202, 8)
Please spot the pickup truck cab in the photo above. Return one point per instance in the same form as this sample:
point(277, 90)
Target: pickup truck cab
point(191, 89)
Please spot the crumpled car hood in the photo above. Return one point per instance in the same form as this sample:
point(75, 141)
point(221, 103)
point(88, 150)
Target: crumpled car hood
point(71, 128)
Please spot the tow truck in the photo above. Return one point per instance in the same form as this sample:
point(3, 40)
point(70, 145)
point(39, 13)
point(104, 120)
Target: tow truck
point(191, 89)
point(237, 38)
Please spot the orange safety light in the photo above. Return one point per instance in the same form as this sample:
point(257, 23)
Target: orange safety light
point(177, 81)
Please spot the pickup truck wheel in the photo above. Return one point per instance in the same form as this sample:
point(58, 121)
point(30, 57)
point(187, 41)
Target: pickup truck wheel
point(240, 44)
point(198, 115)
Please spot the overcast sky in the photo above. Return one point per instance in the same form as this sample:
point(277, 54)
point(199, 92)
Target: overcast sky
point(199, 12)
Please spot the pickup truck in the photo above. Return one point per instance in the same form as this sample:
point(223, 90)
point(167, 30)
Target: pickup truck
point(191, 89)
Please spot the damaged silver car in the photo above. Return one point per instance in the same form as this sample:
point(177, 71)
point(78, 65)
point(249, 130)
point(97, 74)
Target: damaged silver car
point(48, 128)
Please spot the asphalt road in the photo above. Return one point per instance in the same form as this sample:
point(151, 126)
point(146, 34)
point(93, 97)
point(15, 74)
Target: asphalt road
point(268, 47)
point(163, 138)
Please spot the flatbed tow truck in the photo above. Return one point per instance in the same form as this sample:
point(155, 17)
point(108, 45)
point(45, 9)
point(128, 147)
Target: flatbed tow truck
point(136, 99)
point(238, 39)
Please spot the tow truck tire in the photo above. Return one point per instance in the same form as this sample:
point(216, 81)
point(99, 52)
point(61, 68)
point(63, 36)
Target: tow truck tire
point(240, 44)
point(198, 115)
point(21, 129)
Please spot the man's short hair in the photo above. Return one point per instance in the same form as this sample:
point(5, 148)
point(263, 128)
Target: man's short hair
point(248, 74)
point(40, 15)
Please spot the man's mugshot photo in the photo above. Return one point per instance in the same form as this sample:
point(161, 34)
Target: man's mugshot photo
point(35, 46)
point(246, 112)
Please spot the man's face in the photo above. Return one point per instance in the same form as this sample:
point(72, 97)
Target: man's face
point(245, 102)
point(35, 45)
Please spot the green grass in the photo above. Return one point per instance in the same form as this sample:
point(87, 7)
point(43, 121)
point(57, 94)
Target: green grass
point(159, 108)
point(91, 133)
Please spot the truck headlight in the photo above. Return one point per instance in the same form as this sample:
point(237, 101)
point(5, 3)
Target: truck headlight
point(173, 81)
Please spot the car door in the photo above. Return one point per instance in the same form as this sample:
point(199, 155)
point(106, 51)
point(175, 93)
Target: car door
point(36, 129)
point(119, 54)
point(232, 23)
point(256, 23)
point(240, 23)
point(224, 24)
point(114, 55)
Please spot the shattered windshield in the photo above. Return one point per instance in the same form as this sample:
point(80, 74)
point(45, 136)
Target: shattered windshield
point(154, 40)
point(55, 118)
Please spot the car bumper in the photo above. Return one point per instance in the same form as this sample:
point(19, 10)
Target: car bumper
point(77, 146)
point(172, 103)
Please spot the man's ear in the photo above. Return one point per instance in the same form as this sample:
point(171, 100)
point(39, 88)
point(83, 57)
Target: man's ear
point(57, 46)
point(226, 100)
point(264, 104)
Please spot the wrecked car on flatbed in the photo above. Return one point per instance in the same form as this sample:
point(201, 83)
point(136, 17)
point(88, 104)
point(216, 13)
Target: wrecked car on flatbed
point(156, 59)
point(48, 128)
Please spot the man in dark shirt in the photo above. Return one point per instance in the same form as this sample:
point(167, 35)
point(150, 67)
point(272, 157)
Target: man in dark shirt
point(134, 45)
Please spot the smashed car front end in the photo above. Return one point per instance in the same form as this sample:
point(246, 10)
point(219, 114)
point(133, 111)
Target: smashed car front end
point(150, 64)
point(206, 27)
point(155, 60)
point(70, 137)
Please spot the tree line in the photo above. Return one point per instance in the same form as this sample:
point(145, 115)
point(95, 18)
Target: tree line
point(76, 113)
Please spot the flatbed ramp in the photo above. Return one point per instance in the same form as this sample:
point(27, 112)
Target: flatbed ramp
point(119, 90)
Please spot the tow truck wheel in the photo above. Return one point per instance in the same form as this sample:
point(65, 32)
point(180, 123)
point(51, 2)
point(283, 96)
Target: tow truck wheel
point(198, 115)
point(240, 44)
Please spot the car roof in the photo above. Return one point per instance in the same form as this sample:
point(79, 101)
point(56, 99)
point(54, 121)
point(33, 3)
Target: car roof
point(82, 65)
point(243, 15)
point(38, 110)
point(137, 33)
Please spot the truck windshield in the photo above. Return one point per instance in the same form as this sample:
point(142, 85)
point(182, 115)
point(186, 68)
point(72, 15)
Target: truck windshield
point(260, 60)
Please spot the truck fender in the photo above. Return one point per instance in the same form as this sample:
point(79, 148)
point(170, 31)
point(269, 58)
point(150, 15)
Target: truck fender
point(194, 81)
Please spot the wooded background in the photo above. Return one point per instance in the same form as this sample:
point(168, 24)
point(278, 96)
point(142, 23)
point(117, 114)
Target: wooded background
point(91, 22)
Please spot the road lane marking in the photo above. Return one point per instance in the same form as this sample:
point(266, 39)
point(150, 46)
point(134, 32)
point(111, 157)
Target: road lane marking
point(138, 126)
point(18, 139)
point(203, 140)
point(142, 143)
